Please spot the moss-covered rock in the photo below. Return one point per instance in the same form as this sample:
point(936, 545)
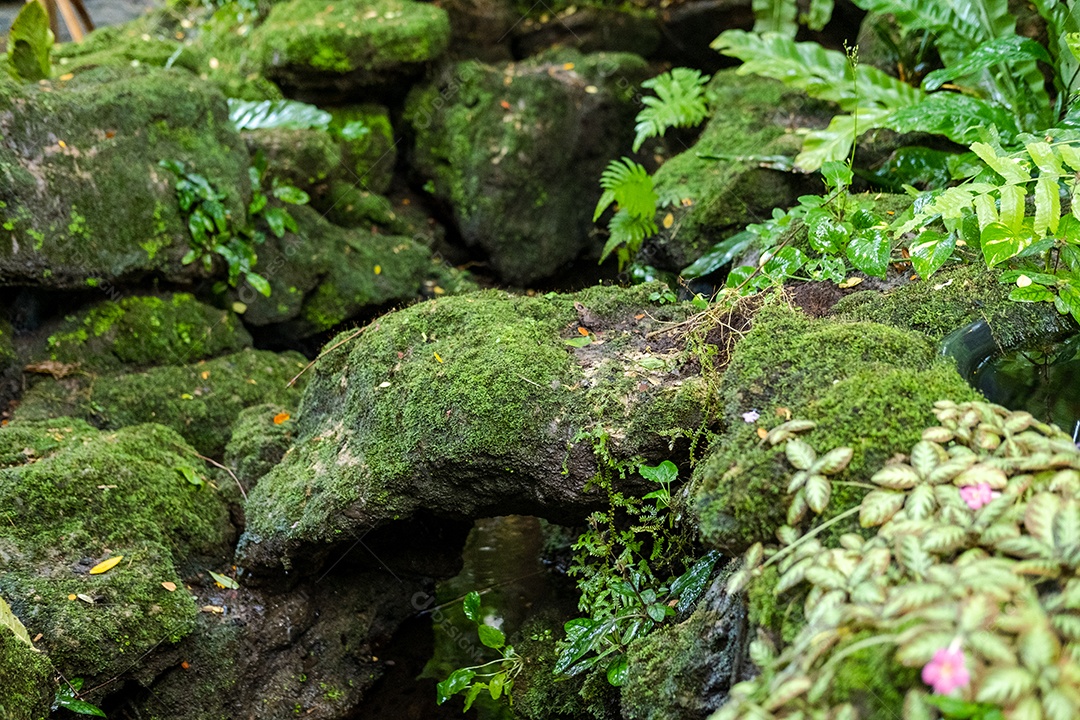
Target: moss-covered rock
point(306, 158)
point(78, 496)
point(370, 151)
point(867, 386)
point(82, 198)
point(338, 50)
point(200, 401)
point(324, 275)
point(720, 181)
point(685, 670)
point(593, 27)
point(9, 363)
point(515, 150)
point(28, 688)
point(950, 300)
point(143, 331)
point(260, 438)
point(473, 405)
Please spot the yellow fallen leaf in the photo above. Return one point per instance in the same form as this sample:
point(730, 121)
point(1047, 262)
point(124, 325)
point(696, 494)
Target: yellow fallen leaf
point(216, 609)
point(61, 143)
point(204, 374)
point(762, 433)
point(437, 357)
point(106, 565)
point(850, 282)
point(568, 66)
point(67, 76)
point(669, 220)
point(378, 269)
point(72, 596)
point(170, 586)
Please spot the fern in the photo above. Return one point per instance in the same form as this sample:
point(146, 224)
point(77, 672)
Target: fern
point(629, 186)
point(680, 102)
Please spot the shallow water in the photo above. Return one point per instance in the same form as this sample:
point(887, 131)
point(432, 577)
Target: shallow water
point(1043, 379)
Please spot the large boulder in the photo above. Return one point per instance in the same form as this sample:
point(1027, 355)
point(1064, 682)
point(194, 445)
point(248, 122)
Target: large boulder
point(78, 496)
point(338, 50)
point(723, 182)
point(324, 275)
point(82, 198)
point(200, 400)
point(516, 152)
point(470, 406)
point(867, 386)
point(138, 332)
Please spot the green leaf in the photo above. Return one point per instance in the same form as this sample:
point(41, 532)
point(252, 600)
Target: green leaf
point(930, 250)
point(960, 118)
point(472, 693)
point(579, 341)
point(665, 473)
point(261, 285)
point(869, 251)
point(471, 606)
point(818, 492)
point(618, 670)
point(1012, 169)
point(458, 681)
point(1000, 242)
point(495, 685)
point(627, 230)
point(800, 454)
point(224, 580)
point(291, 194)
point(1004, 686)
point(785, 263)
point(79, 706)
point(1070, 298)
point(837, 174)
point(826, 235)
point(878, 507)
point(689, 586)
point(720, 254)
point(490, 636)
point(265, 114)
point(1031, 293)
point(275, 219)
point(11, 622)
point(679, 102)
point(658, 611)
point(29, 42)
point(1003, 50)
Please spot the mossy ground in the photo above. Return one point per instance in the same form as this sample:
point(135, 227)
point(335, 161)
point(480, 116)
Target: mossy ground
point(77, 496)
point(867, 386)
point(28, 687)
point(260, 437)
point(458, 402)
point(142, 331)
point(200, 401)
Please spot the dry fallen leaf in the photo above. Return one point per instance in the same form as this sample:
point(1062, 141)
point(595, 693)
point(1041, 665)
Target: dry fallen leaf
point(106, 565)
point(378, 269)
point(762, 433)
point(437, 357)
point(204, 374)
point(669, 220)
point(170, 586)
point(216, 609)
point(281, 417)
point(72, 596)
point(51, 367)
point(583, 331)
point(850, 282)
point(185, 664)
point(784, 412)
point(85, 598)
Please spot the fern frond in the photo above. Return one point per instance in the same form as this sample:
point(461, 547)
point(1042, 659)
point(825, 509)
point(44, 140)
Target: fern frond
point(679, 102)
point(630, 186)
point(627, 231)
point(821, 73)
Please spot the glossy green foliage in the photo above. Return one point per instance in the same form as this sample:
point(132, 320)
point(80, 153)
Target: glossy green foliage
point(29, 42)
point(496, 676)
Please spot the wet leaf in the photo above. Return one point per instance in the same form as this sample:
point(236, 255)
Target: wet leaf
point(8, 620)
point(618, 671)
point(106, 565)
point(471, 606)
point(458, 681)
point(224, 581)
point(490, 636)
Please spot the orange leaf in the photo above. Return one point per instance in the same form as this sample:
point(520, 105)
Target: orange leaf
point(762, 433)
point(106, 565)
point(505, 105)
point(185, 664)
point(281, 417)
point(583, 331)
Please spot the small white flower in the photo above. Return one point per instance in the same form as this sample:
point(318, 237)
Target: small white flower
point(751, 417)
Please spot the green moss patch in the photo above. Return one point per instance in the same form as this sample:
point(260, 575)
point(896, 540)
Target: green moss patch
point(79, 496)
point(200, 401)
point(260, 438)
point(472, 405)
point(867, 386)
point(28, 688)
point(143, 331)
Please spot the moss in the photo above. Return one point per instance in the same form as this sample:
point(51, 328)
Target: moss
point(867, 386)
point(539, 694)
point(306, 158)
point(90, 496)
point(482, 387)
point(28, 688)
point(144, 41)
point(259, 441)
point(349, 206)
point(951, 299)
point(200, 401)
point(497, 140)
point(872, 681)
point(325, 275)
point(116, 124)
point(720, 183)
point(141, 331)
point(372, 38)
point(368, 139)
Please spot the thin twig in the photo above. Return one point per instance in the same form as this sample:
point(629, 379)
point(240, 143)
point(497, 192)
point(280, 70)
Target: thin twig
point(216, 464)
point(531, 382)
point(328, 350)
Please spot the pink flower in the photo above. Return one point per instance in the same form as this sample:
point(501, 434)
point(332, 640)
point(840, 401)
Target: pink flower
point(751, 417)
point(977, 495)
point(946, 672)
